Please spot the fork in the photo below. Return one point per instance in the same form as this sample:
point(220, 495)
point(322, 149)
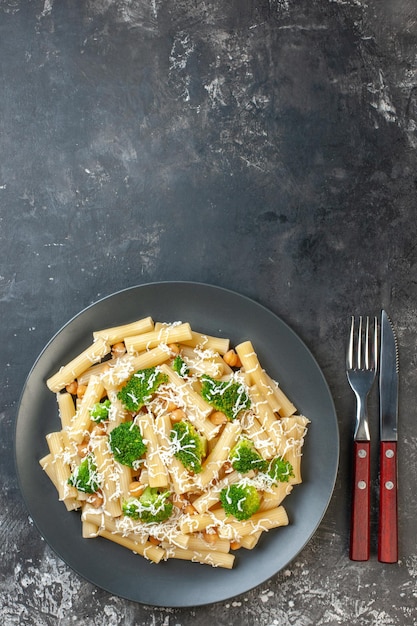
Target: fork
point(361, 366)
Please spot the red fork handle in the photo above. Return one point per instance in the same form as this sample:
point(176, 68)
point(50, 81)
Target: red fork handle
point(388, 507)
point(361, 502)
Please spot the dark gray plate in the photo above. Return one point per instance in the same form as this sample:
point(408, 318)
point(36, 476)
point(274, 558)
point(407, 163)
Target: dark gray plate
point(173, 583)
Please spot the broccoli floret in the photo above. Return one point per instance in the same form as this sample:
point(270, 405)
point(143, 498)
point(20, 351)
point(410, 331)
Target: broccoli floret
point(140, 387)
point(188, 446)
point(244, 457)
point(127, 444)
point(85, 477)
point(280, 470)
point(240, 500)
point(180, 366)
point(151, 507)
point(227, 396)
point(100, 411)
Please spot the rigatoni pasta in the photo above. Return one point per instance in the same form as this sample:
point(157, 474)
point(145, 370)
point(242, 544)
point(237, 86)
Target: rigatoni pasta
point(172, 444)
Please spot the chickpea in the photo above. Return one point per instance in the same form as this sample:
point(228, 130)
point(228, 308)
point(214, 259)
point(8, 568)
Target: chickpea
point(189, 509)
point(170, 406)
point(232, 359)
point(179, 501)
point(99, 429)
point(174, 348)
point(95, 499)
point(72, 388)
point(136, 472)
point(210, 537)
point(177, 415)
point(82, 448)
point(136, 488)
point(217, 418)
point(118, 349)
point(154, 540)
point(235, 545)
point(81, 389)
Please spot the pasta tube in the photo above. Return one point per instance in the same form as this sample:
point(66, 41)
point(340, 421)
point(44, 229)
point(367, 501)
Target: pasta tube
point(260, 438)
point(82, 419)
point(106, 469)
point(275, 397)
point(157, 472)
point(266, 416)
point(179, 477)
point(48, 466)
point(94, 353)
point(208, 342)
point(295, 429)
point(196, 543)
point(117, 334)
point(272, 499)
point(62, 469)
point(219, 454)
point(149, 550)
point(166, 335)
point(151, 358)
point(264, 520)
point(66, 408)
point(210, 557)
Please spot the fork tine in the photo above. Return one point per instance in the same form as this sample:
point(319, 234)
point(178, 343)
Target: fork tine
point(371, 339)
point(349, 355)
point(367, 353)
point(360, 345)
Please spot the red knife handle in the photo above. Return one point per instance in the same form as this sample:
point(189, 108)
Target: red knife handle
point(361, 502)
point(388, 507)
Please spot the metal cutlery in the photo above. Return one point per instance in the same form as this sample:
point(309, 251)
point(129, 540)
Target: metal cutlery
point(361, 367)
point(388, 411)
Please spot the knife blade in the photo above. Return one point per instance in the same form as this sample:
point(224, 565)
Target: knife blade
point(388, 415)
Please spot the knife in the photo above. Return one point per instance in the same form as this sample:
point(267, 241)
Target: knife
point(388, 413)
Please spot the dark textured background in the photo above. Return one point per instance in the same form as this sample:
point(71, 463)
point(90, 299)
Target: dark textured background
point(264, 146)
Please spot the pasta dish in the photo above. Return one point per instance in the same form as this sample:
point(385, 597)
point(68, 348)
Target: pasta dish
point(172, 443)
